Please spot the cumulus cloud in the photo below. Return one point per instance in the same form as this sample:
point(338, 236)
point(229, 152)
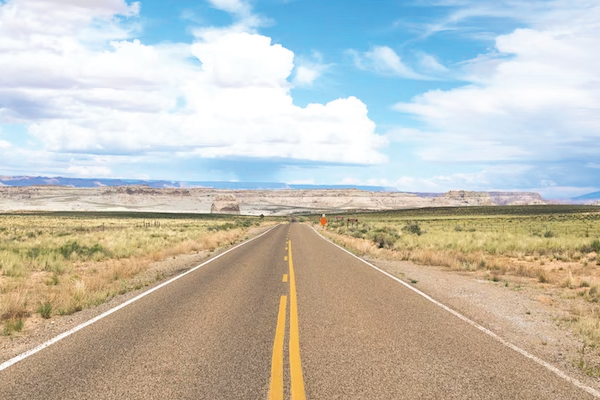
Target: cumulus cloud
point(534, 97)
point(306, 76)
point(89, 171)
point(308, 70)
point(74, 73)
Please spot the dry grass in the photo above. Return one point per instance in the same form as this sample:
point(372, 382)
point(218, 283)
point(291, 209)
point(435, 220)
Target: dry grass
point(62, 264)
point(13, 309)
point(14, 304)
point(554, 248)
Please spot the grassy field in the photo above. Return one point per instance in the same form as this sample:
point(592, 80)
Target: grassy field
point(60, 263)
point(538, 233)
point(555, 247)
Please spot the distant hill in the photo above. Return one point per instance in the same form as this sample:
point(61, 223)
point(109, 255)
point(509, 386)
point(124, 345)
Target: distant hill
point(91, 183)
point(589, 196)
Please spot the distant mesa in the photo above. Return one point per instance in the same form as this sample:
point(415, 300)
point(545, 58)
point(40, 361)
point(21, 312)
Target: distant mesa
point(145, 190)
point(468, 198)
point(225, 204)
point(69, 194)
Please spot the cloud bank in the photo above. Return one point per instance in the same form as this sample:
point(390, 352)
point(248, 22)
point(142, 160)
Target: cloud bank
point(535, 96)
point(533, 99)
point(76, 76)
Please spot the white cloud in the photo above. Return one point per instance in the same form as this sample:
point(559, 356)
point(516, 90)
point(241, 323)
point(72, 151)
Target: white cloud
point(308, 70)
point(535, 97)
point(464, 14)
point(107, 93)
point(231, 6)
point(245, 20)
point(243, 60)
point(431, 64)
point(305, 76)
point(489, 178)
point(383, 60)
point(4, 144)
point(89, 171)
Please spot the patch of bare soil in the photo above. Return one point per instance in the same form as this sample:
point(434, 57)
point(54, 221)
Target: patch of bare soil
point(38, 330)
point(531, 316)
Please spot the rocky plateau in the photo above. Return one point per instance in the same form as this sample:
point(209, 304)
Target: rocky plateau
point(249, 202)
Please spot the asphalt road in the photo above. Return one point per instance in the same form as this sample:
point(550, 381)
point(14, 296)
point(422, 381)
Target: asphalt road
point(272, 320)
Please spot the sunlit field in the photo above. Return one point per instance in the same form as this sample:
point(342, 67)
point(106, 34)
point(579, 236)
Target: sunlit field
point(552, 246)
point(469, 237)
point(60, 263)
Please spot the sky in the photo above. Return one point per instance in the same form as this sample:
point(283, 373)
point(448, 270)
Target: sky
point(420, 95)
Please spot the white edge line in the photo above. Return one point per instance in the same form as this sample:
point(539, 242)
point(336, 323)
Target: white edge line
point(63, 335)
point(519, 350)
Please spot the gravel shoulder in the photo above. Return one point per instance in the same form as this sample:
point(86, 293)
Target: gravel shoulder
point(530, 317)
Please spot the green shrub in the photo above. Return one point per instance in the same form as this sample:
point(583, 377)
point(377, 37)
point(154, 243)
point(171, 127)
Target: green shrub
point(385, 240)
point(45, 310)
point(243, 223)
point(85, 252)
point(588, 248)
point(53, 280)
point(13, 325)
point(358, 234)
point(223, 227)
point(414, 228)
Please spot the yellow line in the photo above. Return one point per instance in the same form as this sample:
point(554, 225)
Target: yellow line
point(297, 381)
point(276, 388)
point(285, 276)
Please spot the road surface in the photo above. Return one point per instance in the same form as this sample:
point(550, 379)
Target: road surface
point(287, 315)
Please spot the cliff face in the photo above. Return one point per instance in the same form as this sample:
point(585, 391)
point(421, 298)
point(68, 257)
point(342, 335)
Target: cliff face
point(225, 204)
point(516, 198)
point(256, 202)
point(466, 198)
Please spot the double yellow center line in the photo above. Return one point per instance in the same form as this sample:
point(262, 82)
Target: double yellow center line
point(296, 379)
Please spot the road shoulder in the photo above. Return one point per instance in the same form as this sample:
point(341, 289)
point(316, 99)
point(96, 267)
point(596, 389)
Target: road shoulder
point(527, 317)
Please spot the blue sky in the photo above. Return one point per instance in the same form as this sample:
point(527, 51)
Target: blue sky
point(416, 95)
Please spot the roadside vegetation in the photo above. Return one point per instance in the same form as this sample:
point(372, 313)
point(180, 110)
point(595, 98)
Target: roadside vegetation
point(553, 247)
point(60, 263)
